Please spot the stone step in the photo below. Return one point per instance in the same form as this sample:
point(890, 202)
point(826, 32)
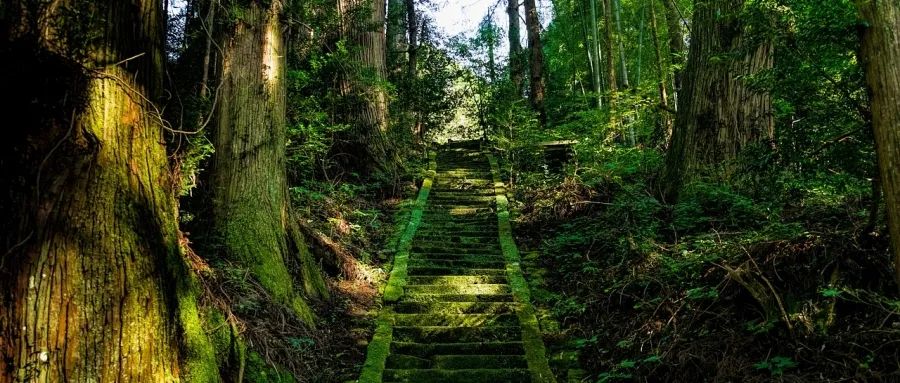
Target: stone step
point(457, 376)
point(438, 249)
point(482, 289)
point(489, 231)
point(434, 270)
point(424, 350)
point(458, 245)
point(484, 237)
point(443, 297)
point(474, 260)
point(457, 280)
point(456, 320)
point(455, 307)
point(478, 263)
point(443, 334)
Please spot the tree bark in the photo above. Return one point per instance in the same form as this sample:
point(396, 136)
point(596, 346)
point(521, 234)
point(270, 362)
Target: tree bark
point(881, 53)
point(611, 64)
point(412, 34)
point(365, 147)
point(251, 211)
point(663, 79)
point(536, 50)
point(516, 59)
point(93, 286)
point(623, 69)
point(719, 113)
point(676, 44)
point(594, 54)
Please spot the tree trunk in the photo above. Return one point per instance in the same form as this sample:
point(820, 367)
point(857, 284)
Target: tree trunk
point(536, 49)
point(666, 135)
point(93, 287)
point(516, 59)
point(412, 33)
point(611, 64)
point(676, 44)
point(251, 211)
point(719, 113)
point(881, 53)
point(365, 147)
point(594, 54)
point(623, 69)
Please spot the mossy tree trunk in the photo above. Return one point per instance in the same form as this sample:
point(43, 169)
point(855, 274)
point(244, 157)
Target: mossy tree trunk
point(251, 211)
point(365, 147)
point(93, 287)
point(719, 113)
point(538, 88)
point(881, 53)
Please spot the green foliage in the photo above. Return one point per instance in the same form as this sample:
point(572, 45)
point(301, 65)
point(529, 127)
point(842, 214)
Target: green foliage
point(704, 206)
point(777, 365)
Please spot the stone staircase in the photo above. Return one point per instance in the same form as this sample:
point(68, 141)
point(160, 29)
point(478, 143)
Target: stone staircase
point(459, 319)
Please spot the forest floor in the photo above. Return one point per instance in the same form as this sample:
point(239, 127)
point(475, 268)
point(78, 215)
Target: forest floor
point(719, 287)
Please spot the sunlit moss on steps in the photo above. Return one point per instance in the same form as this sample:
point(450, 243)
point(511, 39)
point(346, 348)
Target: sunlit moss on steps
point(452, 313)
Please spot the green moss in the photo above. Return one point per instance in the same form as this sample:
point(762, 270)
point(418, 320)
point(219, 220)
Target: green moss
point(200, 362)
point(379, 349)
point(397, 281)
point(258, 371)
point(531, 333)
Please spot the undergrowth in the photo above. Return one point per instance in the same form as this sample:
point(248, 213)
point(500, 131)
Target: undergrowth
point(728, 284)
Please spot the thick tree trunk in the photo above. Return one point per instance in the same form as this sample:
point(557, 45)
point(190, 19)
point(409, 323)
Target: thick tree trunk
point(366, 146)
point(719, 113)
point(881, 53)
point(516, 59)
point(536, 50)
point(251, 211)
point(93, 287)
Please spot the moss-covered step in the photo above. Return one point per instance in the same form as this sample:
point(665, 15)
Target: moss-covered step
point(442, 297)
point(426, 248)
point(457, 362)
point(457, 280)
point(412, 307)
point(464, 320)
point(481, 263)
point(455, 246)
point(476, 237)
point(436, 270)
point(458, 376)
point(444, 334)
point(425, 350)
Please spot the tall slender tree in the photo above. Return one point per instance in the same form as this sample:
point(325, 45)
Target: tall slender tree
point(677, 46)
point(538, 86)
point(666, 135)
point(881, 53)
point(251, 212)
point(610, 63)
point(93, 286)
point(719, 113)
